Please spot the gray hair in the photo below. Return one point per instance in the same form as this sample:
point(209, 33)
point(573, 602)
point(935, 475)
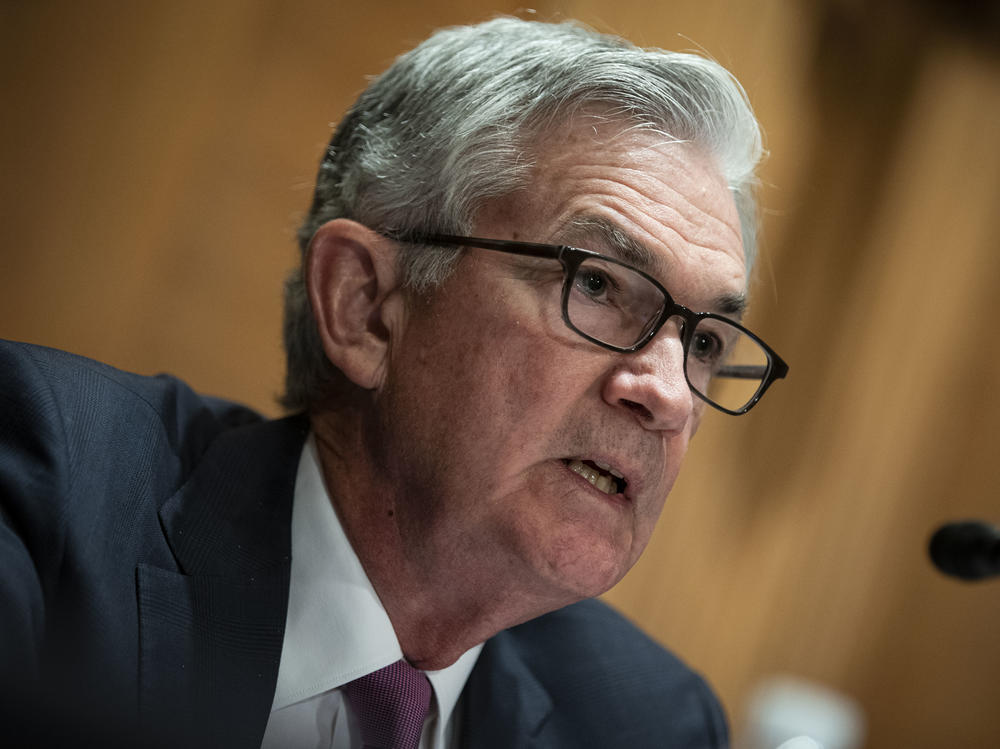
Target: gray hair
point(451, 124)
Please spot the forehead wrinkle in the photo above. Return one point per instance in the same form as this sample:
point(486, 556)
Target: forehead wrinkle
point(693, 224)
point(675, 195)
point(689, 216)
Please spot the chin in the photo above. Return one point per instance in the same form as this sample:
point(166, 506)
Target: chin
point(589, 574)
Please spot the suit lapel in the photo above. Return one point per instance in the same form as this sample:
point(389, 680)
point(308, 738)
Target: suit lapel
point(504, 703)
point(211, 633)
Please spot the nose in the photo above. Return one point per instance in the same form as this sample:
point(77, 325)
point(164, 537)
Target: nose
point(651, 385)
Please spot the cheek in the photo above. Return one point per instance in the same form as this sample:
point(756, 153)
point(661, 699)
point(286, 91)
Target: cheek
point(696, 417)
point(512, 366)
point(491, 372)
point(467, 387)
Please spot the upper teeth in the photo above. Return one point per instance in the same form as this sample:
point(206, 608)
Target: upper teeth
point(602, 482)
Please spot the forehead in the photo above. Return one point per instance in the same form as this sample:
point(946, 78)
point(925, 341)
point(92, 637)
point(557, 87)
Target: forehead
point(662, 205)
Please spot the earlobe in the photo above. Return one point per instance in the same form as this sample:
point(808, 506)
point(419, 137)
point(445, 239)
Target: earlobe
point(350, 273)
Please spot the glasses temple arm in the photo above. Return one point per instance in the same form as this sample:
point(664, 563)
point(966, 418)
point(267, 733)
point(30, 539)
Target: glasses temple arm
point(743, 371)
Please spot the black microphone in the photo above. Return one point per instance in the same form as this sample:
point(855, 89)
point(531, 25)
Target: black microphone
point(969, 550)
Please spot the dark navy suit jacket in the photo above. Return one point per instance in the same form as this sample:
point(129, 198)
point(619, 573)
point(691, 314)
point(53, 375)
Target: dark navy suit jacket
point(145, 547)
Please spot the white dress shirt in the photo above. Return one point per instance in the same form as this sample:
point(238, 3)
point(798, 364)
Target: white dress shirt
point(337, 631)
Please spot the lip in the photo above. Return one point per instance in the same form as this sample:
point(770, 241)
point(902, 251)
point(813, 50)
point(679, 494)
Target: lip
point(633, 469)
point(628, 472)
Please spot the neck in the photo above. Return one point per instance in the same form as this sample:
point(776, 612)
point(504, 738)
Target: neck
point(441, 599)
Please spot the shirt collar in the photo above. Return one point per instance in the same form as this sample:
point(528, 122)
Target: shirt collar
point(337, 629)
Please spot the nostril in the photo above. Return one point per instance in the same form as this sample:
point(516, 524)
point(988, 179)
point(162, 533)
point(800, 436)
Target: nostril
point(637, 408)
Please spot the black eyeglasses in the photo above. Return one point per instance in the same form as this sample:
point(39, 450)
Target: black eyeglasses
point(621, 308)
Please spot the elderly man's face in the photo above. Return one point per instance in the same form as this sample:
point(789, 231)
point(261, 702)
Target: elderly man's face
point(490, 400)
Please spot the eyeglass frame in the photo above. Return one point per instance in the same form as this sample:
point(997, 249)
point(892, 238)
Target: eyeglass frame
point(571, 258)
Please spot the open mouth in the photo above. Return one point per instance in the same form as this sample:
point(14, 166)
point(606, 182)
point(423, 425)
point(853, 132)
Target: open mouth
point(602, 476)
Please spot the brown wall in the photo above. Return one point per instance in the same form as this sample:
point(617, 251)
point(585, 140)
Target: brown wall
point(157, 156)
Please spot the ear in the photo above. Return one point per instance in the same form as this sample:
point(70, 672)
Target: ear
point(350, 275)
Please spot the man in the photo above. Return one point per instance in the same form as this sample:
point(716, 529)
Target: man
point(490, 420)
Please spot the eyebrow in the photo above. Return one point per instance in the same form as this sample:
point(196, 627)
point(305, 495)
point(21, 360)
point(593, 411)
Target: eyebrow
point(627, 248)
point(622, 245)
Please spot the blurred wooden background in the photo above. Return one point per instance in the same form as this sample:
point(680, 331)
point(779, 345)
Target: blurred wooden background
point(157, 156)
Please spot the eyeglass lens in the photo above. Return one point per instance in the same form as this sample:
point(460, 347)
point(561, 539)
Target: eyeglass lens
point(617, 306)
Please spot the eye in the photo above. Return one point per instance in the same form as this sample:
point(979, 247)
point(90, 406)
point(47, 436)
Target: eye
point(707, 347)
point(593, 283)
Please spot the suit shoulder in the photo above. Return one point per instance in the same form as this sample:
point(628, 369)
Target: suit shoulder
point(45, 384)
point(593, 626)
point(75, 430)
point(611, 684)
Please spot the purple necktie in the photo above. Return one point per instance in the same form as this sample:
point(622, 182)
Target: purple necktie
point(391, 705)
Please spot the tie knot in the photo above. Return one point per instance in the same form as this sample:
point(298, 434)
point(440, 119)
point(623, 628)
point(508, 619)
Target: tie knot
point(391, 705)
